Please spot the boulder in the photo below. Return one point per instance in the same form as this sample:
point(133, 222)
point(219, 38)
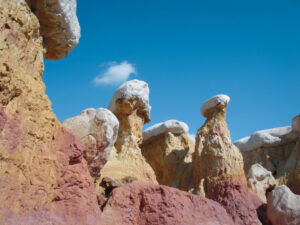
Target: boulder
point(218, 167)
point(151, 204)
point(261, 181)
point(218, 101)
point(58, 24)
point(168, 149)
point(173, 126)
point(283, 207)
point(97, 131)
point(43, 177)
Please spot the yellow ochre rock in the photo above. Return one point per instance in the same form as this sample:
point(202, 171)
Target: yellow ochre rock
point(168, 149)
point(42, 175)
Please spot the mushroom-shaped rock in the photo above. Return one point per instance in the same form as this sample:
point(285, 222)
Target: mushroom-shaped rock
point(173, 126)
point(283, 207)
point(296, 123)
point(216, 102)
point(59, 26)
point(135, 94)
point(260, 181)
point(131, 106)
point(168, 149)
point(97, 130)
point(218, 167)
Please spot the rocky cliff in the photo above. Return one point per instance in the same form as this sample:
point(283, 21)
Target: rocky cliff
point(42, 175)
point(277, 150)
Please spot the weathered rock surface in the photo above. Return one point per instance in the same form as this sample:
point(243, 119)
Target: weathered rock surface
point(277, 150)
point(261, 181)
point(97, 130)
point(283, 207)
point(43, 179)
point(168, 149)
point(149, 204)
point(218, 169)
point(131, 106)
point(59, 26)
point(296, 123)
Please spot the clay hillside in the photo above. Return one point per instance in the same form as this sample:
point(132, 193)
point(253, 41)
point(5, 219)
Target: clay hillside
point(100, 168)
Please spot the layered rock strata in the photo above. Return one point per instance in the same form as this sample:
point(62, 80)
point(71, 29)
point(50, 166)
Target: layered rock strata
point(168, 149)
point(43, 178)
point(97, 130)
point(283, 207)
point(151, 204)
point(131, 106)
point(260, 181)
point(218, 165)
point(59, 26)
point(277, 150)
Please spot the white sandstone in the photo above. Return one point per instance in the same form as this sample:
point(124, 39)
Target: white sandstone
point(218, 101)
point(260, 181)
point(131, 90)
point(97, 129)
point(266, 138)
point(283, 207)
point(173, 126)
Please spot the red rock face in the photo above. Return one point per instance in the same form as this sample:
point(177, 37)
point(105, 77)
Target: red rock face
point(150, 204)
point(240, 204)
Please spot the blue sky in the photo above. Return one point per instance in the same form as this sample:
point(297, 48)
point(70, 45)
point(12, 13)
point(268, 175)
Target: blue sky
point(187, 51)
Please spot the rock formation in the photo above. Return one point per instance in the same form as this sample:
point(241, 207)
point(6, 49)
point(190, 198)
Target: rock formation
point(218, 165)
point(42, 175)
point(277, 150)
point(97, 131)
point(151, 204)
point(283, 207)
point(131, 106)
point(261, 181)
point(59, 26)
point(168, 149)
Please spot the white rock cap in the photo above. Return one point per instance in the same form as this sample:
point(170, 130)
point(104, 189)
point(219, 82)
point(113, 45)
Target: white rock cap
point(266, 138)
point(218, 101)
point(296, 123)
point(173, 126)
point(59, 26)
point(134, 89)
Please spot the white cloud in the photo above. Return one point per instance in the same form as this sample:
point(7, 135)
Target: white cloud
point(193, 137)
point(115, 73)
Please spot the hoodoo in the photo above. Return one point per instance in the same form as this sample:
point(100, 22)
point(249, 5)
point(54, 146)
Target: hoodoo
point(218, 165)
